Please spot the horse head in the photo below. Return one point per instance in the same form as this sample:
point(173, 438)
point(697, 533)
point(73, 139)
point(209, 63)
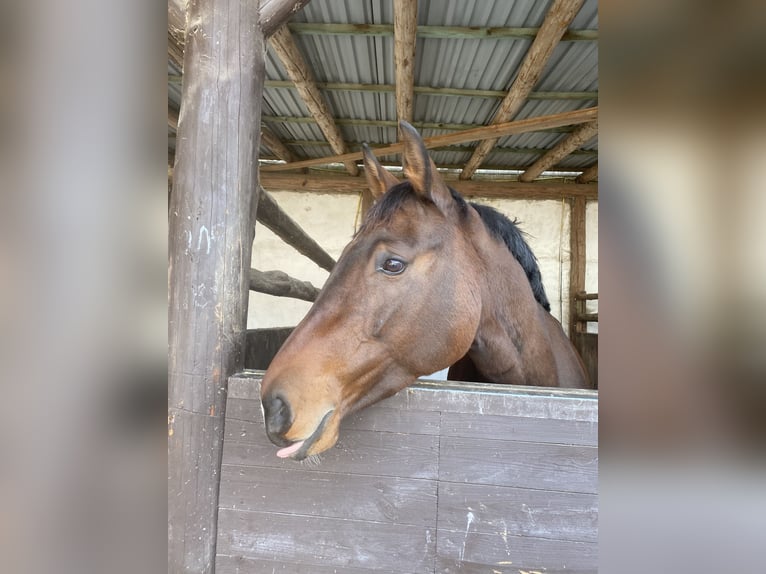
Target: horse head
point(403, 301)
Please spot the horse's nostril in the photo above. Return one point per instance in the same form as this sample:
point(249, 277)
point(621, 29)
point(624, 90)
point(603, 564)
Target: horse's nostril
point(277, 417)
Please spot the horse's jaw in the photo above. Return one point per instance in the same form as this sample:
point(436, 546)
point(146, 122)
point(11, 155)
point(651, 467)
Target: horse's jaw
point(323, 438)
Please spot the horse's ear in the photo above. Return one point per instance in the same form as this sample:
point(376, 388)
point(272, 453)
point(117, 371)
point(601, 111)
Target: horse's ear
point(379, 178)
point(421, 170)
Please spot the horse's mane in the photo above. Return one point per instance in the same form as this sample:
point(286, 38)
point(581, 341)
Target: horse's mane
point(508, 232)
point(497, 224)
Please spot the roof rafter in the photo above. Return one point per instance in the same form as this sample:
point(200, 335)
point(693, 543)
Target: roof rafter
point(273, 13)
point(405, 28)
point(566, 146)
point(485, 132)
point(284, 45)
point(556, 22)
point(271, 141)
point(589, 175)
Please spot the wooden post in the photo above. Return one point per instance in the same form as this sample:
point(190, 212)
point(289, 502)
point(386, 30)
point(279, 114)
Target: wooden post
point(211, 219)
point(577, 259)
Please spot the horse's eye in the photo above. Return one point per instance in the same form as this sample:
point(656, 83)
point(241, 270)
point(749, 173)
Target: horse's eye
point(392, 266)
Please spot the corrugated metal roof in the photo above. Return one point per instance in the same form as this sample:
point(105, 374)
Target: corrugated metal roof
point(465, 63)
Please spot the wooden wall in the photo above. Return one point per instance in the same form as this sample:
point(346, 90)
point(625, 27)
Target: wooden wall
point(435, 479)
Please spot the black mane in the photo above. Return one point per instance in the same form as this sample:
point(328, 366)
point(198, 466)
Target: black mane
point(498, 225)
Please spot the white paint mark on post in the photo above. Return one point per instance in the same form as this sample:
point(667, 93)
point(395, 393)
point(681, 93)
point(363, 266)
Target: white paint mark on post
point(470, 517)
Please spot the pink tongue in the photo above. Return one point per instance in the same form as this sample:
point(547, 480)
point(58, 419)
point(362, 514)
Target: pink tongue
point(287, 451)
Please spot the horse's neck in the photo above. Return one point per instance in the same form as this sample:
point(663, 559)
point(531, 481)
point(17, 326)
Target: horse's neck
point(512, 343)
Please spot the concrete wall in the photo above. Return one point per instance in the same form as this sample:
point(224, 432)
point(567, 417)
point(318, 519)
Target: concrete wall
point(330, 220)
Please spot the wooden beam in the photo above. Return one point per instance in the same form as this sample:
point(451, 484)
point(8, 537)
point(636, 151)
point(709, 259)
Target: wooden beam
point(580, 136)
point(393, 124)
point(485, 132)
point(276, 145)
point(405, 28)
point(443, 32)
point(471, 188)
point(280, 284)
point(577, 258)
point(274, 13)
point(273, 217)
point(300, 73)
point(426, 90)
point(172, 118)
point(589, 175)
point(210, 224)
point(557, 20)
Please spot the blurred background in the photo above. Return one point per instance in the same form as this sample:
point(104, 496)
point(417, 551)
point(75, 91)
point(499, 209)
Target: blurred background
point(83, 286)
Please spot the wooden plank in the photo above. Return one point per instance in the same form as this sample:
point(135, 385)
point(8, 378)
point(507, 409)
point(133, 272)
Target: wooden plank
point(469, 553)
point(273, 217)
point(243, 565)
point(580, 136)
point(275, 145)
point(471, 188)
point(483, 398)
point(274, 13)
point(358, 452)
point(312, 540)
point(332, 495)
point(557, 20)
point(469, 425)
point(447, 32)
point(300, 73)
point(374, 418)
point(486, 132)
point(589, 175)
point(280, 284)
point(405, 29)
point(210, 239)
point(519, 464)
point(506, 511)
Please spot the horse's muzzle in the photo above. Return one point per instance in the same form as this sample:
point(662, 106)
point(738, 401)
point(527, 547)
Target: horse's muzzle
point(278, 418)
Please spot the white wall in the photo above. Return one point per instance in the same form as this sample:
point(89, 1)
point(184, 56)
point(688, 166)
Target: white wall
point(329, 219)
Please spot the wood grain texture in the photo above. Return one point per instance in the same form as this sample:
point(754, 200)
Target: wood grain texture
point(312, 540)
point(280, 284)
point(440, 478)
point(589, 175)
point(211, 218)
point(486, 132)
point(557, 20)
point(300, 73)
point(315, 492)
point(511, 511)
point(519, 464)
point(405, 29)
point(553, 156)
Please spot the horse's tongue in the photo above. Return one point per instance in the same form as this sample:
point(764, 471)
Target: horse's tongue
point(287, 451)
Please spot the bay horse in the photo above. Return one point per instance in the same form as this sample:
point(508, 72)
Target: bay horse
point(427, 280)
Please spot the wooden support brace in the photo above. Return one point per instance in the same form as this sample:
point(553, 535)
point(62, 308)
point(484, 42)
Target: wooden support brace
point(589, 175)
point(287, 50)
point(485, 132)
point(275, 145)
point(280, 284)
point(570, 143)
point(273, 217)
point(274, 13)
point(577, 259)
point(557, 20)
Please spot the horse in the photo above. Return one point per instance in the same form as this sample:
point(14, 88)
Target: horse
point(428, 280)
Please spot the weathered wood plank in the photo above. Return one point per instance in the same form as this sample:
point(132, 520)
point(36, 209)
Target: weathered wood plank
point(483, 133)
point(520, 464)
point(469, 425)
point(210, 218)
point(508, 511)
point(329, 494)
point(469, 552)
point(482, 398)
point(312, 540)
point(243, 565)
point(358, 452)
